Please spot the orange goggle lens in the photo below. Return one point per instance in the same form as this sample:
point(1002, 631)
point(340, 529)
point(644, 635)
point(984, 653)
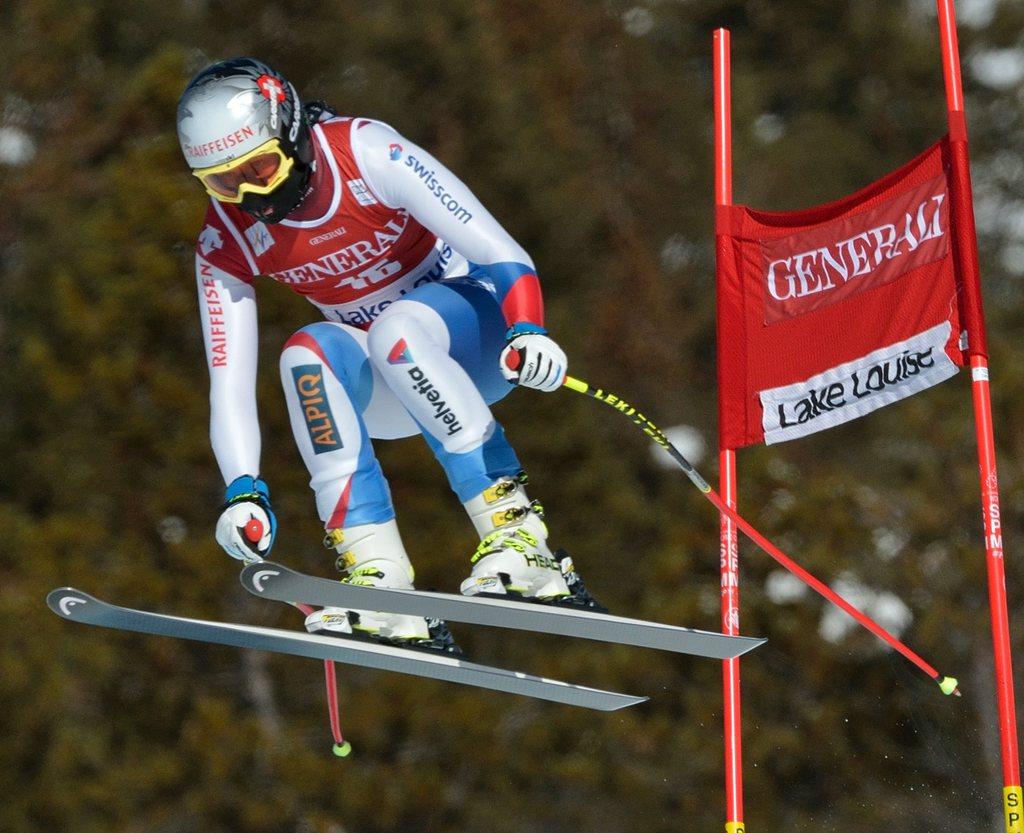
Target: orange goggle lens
point(260, 172)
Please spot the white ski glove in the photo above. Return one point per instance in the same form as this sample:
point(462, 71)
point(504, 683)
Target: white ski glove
point(535, 361)
point(247, 526)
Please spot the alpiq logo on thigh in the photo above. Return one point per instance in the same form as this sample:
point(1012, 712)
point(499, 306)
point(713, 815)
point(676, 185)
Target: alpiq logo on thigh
point(316, 410)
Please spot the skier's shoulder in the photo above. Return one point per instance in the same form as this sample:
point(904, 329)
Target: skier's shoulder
point(355, 134)
point(218, 242)
point(366, 148)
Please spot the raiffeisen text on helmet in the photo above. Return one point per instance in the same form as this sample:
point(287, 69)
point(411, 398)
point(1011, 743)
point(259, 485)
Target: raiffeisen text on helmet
point(198, 152)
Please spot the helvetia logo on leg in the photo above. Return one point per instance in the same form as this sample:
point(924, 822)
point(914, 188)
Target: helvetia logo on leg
point(399, 353)
point(425, 388)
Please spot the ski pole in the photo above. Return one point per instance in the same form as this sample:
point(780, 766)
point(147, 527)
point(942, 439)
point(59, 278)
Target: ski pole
point(947, 684)
point(341, 746)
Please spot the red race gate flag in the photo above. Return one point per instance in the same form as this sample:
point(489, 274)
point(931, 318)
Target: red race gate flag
point(829, 313)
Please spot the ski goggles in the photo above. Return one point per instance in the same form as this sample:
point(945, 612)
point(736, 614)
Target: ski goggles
point(259, 171)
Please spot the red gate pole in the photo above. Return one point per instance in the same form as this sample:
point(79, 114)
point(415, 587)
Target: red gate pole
point(729, 539)
point(1013, 802)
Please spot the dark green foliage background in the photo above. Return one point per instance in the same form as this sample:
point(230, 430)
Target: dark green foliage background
point(586, 126)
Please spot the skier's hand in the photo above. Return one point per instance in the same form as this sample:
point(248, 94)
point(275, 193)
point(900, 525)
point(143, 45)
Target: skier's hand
point(535, 361)
point(247, 525)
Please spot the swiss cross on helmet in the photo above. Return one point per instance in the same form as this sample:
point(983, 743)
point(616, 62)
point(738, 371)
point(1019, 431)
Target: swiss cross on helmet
point(244, 134)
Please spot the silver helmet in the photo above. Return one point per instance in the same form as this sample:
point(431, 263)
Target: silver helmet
point(239, 112)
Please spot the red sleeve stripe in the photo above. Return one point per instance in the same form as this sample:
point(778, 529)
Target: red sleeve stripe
point(523, 301)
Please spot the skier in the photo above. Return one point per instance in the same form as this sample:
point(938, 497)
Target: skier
point(433, 312)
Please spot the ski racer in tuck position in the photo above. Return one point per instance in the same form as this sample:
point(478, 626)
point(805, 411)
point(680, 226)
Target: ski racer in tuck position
point(429, 305)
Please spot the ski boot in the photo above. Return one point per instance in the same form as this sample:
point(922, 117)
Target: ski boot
point(372, 555)
point(513, 558)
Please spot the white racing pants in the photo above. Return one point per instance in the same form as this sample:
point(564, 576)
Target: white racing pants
point(427, 365)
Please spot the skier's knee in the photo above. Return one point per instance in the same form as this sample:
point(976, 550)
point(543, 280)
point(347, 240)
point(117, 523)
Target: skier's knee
point(325, 343)
point(388, 334)
point(418, 324)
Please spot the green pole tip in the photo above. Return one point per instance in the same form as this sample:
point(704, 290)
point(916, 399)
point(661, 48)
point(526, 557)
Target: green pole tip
point(949, 686)
point(342, 750)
